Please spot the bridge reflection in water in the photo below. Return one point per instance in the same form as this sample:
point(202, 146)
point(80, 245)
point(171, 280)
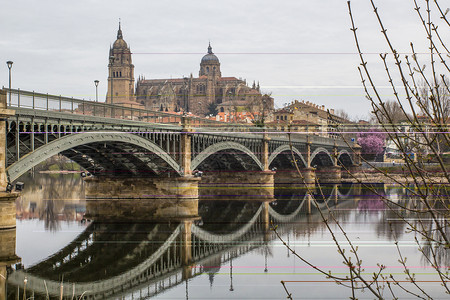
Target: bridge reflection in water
point(120, 258)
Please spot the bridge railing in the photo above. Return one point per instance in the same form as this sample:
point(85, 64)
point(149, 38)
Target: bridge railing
point(38, 101)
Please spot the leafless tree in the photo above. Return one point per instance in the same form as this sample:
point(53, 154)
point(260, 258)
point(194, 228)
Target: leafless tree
point(342, 114)
point(392, 112)
point(260, 108)
point(420, 100)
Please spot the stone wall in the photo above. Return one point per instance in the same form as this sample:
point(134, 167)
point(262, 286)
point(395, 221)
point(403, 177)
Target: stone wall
point(142, 198)
point(237, 186)
point(7, 210)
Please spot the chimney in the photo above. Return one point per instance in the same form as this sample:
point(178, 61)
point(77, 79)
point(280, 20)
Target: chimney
point(332, 111)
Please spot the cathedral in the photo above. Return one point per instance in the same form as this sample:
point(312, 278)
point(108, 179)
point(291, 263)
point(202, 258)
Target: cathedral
point(207, 94)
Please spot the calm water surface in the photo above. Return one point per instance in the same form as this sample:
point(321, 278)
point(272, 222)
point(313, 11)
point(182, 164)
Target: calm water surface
point(235, 256)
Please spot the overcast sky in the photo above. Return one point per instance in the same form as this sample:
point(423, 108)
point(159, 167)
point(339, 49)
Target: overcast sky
point(296, 49)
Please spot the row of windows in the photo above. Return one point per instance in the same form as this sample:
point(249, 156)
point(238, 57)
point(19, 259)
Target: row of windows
point(201, 88)
point(282, 118)
point(207, 69)
point(306, 128)
point(117, 74)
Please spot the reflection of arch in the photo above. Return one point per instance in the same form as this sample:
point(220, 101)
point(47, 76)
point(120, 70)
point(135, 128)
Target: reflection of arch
point(96, 288)
point(287, 218)
point(344, 158)
point(70, 141)
point(322, 152)
point(323, 203)
point(224, 146)
point(326, 192)
point(225, 238)
point(344, 190)
point(284, 148)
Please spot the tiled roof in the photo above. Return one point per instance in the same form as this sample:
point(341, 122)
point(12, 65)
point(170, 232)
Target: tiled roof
point(172, 80)
point(294, 122)
point(228, 78)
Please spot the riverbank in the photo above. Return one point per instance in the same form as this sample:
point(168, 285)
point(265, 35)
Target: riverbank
point(394, 175)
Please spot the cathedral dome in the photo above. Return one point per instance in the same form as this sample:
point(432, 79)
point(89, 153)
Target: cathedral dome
point(210, 57)
point(119, 44)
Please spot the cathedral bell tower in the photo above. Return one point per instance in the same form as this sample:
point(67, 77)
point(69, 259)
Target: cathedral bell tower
point(120, 72)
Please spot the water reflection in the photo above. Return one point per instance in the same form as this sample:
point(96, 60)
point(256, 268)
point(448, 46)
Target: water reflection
point(132, 257)
point(51, 198)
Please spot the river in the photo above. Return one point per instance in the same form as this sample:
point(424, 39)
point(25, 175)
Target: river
point(233, 253)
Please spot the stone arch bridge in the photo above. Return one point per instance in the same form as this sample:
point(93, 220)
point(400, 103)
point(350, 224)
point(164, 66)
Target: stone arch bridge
point(136, 144)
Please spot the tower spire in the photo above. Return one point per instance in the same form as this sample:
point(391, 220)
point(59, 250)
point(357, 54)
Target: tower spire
point(119, 32)
point(209, 48)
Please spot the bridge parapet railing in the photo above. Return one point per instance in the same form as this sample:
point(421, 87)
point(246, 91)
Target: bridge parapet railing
point(39, 101)
point(45, 102)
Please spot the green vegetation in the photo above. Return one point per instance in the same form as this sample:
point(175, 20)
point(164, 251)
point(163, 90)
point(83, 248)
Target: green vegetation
point(58, 163)
point(64, 167)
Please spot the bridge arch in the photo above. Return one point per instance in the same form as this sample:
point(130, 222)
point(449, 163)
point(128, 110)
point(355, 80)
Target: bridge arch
point(321, 157)
point(344, 158)
point(221, 146)
point(286, 148)
point(79, 139)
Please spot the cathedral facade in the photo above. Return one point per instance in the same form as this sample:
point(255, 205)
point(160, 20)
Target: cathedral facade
point(209, 93)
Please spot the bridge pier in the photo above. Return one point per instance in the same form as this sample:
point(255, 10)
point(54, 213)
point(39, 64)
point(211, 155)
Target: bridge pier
point(353, 170)
point(309, 173)
point(186, 141)
point(307, 176)
point(266, 220)
point(8, 210)
point(356, 154)
point(8, 257)
point(4, 114)
point(158, 198)
point(329, 174)
point(186, 249)
point(229, 185)
point(7, 199)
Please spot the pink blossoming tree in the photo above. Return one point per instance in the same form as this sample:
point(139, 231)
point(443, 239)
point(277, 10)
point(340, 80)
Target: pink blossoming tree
point(371, 142)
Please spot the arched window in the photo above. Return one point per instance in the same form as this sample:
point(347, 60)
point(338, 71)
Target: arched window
point(201, 88)
point(207, 70)
point(120, 74)
point(221, 109)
